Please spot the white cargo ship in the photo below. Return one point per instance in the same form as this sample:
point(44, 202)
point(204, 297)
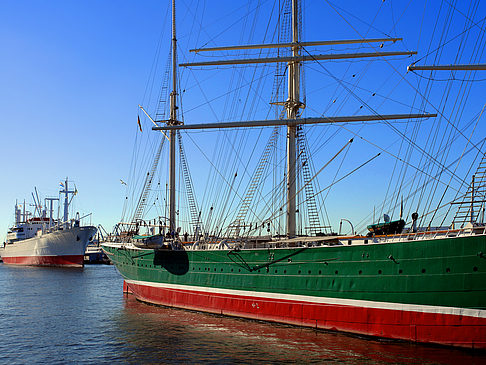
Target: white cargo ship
point(39, 239)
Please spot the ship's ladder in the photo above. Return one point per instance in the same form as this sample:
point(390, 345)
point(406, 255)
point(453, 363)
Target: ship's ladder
point(285, 36)
point(239, 225)
point(142, 202)
point(191, 199)
point(312, 212)
point(161, 112)
point(235, 227)
point(472, 205)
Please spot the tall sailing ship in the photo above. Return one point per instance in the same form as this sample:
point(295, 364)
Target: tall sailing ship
point(273, 259)
point(40, 239)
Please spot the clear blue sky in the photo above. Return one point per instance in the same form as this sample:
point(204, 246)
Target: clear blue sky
point(71, 77)
point(73, 72)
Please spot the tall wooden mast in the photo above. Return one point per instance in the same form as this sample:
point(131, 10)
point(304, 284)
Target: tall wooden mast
point(173, 121)
point(292, 105)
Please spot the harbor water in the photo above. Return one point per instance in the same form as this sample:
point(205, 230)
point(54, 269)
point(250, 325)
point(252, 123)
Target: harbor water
point(54, 315)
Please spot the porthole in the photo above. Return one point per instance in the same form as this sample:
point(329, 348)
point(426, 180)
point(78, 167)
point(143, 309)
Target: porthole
point(214, 269)
point(423, 271)
point(475, 268)
point(360, 272)
point(285, 271)
point(231, 270)
point(310, 272)
point(336, 272)
point(221, 269)
point(400, 271)
point(300, 271)
point(379, 271)
point(448, 269)
point(275, 271)
point(320, 272)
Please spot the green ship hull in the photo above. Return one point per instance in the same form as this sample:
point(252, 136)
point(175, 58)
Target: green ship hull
point(414, 290)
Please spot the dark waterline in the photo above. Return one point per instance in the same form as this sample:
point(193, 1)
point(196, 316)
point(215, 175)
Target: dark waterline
point(53, 315)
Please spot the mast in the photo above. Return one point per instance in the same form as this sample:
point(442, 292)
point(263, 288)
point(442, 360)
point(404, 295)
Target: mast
point(66, 193)
point(455, 67)
point(472, 67)
point(173, 121)
point(17, 213)
point(51, 219)
point(66, 202)
point(292, 105)
point(302, 44)
point(294, 122)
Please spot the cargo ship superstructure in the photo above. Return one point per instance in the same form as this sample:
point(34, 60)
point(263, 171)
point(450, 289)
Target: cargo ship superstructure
point(39, 239)
point(410, 283)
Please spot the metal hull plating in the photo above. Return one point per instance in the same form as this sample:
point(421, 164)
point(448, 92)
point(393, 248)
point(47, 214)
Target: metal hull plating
point(431, 291)
point(59, 248)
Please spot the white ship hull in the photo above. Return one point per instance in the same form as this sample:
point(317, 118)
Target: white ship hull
point(59, 248)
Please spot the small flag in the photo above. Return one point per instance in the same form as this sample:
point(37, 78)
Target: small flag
point(61, 184)
point(139, 125)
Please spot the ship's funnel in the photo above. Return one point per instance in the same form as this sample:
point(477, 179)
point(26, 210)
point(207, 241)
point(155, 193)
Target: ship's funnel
point(18, 214)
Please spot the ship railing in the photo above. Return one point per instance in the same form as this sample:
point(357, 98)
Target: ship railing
point(63, 225)
point(431, 234)
point(223, 245)
point(194, 246)
point(450, 232)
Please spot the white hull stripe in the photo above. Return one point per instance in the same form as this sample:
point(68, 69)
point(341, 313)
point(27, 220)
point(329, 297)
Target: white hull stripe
point(478, 313)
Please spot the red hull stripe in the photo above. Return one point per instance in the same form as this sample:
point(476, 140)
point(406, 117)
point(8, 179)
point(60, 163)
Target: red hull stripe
point(446, 329)
point(321, 300)
point(66, 260)
point(126, 289)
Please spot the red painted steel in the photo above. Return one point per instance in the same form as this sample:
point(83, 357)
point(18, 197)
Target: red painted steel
point(126, 289)
point(445, 329)
point(65, 260)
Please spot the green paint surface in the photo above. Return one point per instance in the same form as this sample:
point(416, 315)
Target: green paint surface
point(442, 272)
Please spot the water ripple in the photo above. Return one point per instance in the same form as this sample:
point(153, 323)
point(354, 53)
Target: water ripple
point(60, 316)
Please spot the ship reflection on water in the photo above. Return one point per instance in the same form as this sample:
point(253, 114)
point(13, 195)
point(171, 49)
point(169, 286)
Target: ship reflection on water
point(165, 335)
